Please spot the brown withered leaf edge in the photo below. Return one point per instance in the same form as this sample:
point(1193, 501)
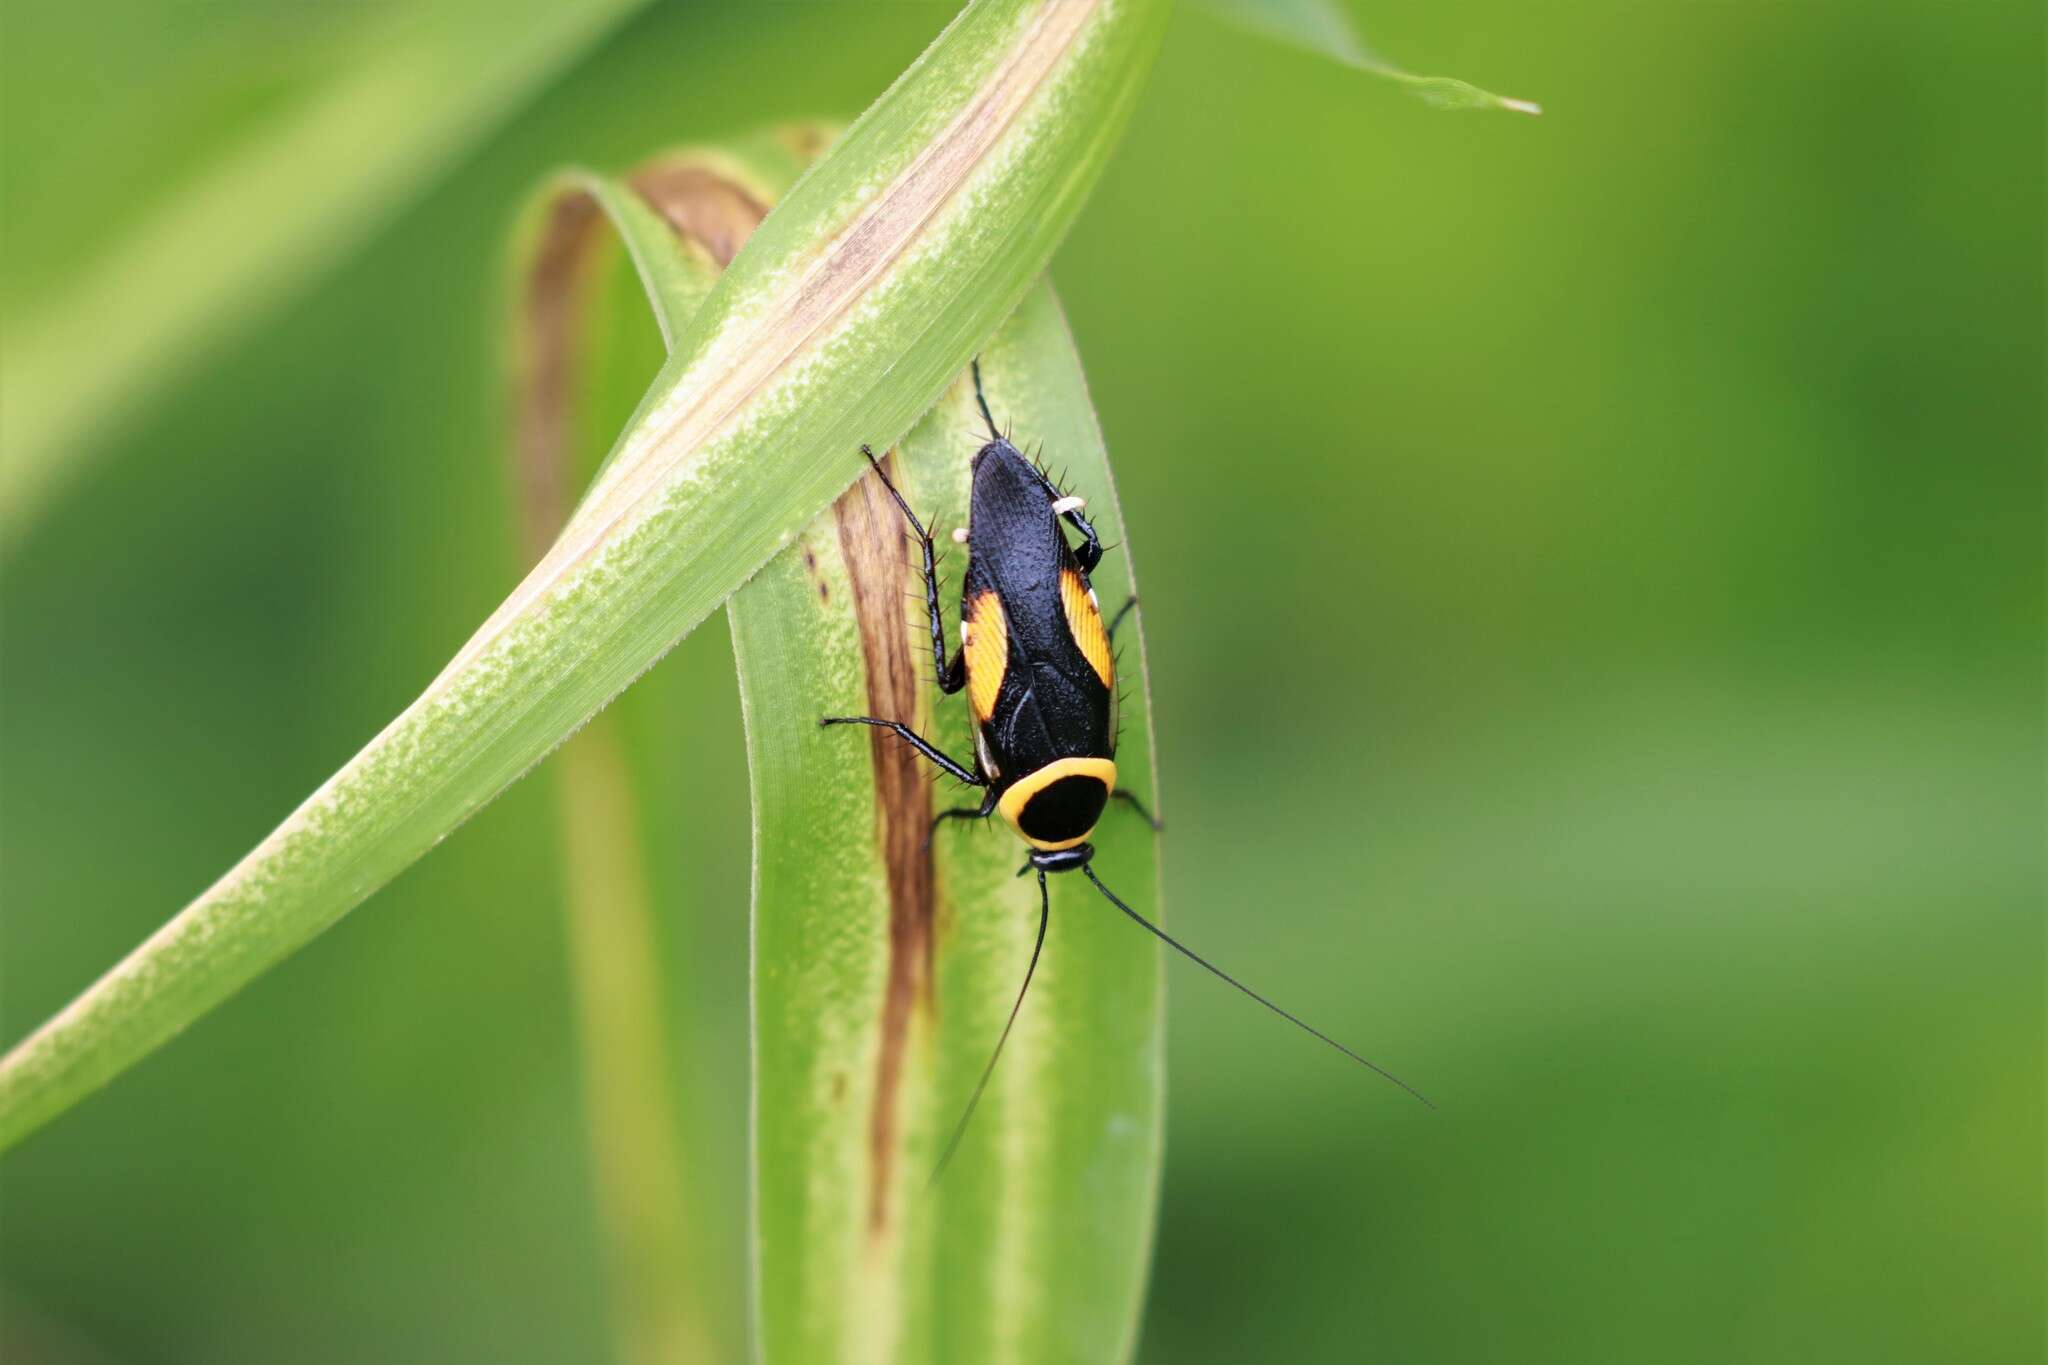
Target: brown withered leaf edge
point(713, 215)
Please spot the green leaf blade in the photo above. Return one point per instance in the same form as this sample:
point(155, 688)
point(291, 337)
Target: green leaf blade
point(1326, 27)
point(879, 986)
point(884, 272)
point(1034, 1245)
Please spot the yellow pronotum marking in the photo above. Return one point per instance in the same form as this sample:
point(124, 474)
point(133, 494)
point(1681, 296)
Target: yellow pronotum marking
point(1031, 784)
point(1084, 623)
point(986, 635)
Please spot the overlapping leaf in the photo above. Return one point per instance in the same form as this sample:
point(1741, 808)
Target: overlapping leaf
point(847, 314)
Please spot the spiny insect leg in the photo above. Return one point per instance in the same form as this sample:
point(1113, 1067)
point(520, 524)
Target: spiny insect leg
point(1090, 553)
point(915, 741)
point(981, 812)
point(1130, 798)
point(953, 678)
point(1121, 613)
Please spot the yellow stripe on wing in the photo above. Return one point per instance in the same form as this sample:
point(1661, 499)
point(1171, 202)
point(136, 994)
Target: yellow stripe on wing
point(986, 634)
point(1084, 623)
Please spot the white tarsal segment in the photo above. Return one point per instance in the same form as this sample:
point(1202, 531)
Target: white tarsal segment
point(959, 535)
point(1068, 504)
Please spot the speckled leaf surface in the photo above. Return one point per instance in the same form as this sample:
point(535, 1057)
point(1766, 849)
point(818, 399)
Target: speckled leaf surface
point(848, 313)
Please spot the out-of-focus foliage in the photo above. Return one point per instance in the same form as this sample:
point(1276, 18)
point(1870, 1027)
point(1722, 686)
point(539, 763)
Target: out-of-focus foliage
point(1593, 585)
point(230, 153)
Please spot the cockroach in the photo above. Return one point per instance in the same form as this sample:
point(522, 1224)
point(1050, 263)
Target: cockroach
point(1037, 662)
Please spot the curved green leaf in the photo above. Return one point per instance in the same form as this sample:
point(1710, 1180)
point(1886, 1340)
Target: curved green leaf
point(665, 1271)
point(883, 970)
point(1325, 26)
point(845, 316)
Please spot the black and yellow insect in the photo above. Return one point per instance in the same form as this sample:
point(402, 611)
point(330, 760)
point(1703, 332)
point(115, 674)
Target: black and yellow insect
point(1037, 661)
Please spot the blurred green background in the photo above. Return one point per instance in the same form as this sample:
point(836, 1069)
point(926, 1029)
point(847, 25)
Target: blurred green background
point(1593, 581)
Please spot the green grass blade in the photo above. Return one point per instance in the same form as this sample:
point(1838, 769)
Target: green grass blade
point(655, 1260)
point(679, 219)
point(882, 979)
point(882, 976)
point(1326, 26)
point(292, 196)
point(846, 315)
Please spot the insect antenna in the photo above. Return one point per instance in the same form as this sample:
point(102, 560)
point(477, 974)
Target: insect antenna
point(982, 399)
point(960, 1131)
point(1216, 971)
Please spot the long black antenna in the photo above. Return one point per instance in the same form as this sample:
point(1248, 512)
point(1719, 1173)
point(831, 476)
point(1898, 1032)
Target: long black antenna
point(982, 399)
point(1199, 961)
point(1044, 914)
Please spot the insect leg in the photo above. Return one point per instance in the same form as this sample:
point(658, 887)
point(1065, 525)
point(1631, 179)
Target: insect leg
point(981, 812)
point(1130, 798)
point(915, 741)
point(1090, 553)
point(951, 677)
point(1121, 613)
